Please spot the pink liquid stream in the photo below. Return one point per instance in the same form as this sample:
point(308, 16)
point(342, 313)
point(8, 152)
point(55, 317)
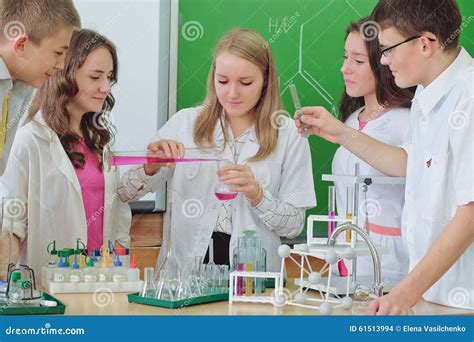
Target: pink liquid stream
point(160, 160)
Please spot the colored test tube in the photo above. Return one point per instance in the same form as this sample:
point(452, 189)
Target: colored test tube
point(349, 209)
point(240, 280)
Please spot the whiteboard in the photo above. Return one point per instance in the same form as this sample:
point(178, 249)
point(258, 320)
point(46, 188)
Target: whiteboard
point(140, 31)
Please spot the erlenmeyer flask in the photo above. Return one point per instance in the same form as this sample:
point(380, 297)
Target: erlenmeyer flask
point(163, 289)
point(184, 288)
point(222, 190)
point(171, 263)
point(148, 289)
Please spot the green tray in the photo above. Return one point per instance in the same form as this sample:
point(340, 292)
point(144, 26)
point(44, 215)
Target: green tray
point(23, 309)
point(218, 297)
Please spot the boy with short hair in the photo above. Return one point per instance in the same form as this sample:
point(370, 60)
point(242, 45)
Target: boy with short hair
point(34, 37)
point(419, 41)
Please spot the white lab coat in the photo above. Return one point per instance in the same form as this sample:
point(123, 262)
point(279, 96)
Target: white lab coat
point(384, 202)
point(440, 175)
point(40, 175)
point(193, 208)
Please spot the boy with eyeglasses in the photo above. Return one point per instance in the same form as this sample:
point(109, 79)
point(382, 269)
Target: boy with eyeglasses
point(419, 41)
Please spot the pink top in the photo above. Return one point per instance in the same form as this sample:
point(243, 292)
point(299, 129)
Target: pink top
point(92, 183)
point(362, 125)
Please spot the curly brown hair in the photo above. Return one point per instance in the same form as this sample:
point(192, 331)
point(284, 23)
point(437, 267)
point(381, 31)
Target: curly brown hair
point(57, 92)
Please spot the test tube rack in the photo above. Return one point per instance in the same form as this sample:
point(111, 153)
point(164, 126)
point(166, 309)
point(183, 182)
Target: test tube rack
point(273, 298)
point(311, 240)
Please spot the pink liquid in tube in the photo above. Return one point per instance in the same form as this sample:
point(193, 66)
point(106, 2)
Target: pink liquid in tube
point(148, 160)
point(240, 280)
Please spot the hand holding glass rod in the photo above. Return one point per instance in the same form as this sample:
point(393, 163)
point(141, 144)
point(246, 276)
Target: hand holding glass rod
point(297, 103)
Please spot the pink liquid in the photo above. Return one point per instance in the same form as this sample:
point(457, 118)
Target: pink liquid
point(240, 280)
point(343, 271)
point(331, 214)
point(149, 160)
point(225, 197)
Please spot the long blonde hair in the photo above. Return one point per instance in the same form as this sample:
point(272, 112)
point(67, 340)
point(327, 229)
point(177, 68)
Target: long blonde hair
point(252, 47)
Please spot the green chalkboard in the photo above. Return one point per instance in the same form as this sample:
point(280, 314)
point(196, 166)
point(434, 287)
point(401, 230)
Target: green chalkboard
point(307, 38)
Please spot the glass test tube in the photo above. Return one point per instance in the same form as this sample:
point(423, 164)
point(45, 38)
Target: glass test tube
point(240, 280)
point(249, 258)
point(349, 209)
point(331, 208)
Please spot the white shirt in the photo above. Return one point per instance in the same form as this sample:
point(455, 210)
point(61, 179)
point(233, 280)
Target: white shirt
point(382, 203)
point(193, 208)
point(20, 100)
point(224, 218)
point(42, 180)
point(440, 174)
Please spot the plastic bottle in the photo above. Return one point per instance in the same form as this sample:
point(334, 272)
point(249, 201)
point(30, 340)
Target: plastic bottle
point(15, 294)
point(76, 273)
point(61, 274)
point(24, 287)
point(124, 256)
point(118, 272)
point(90, 273)
point(95, 254)
point(66, 253)
point(133, 274)
point(103, 273)
point(53, 259)
point(80, 247)
point(82, 261)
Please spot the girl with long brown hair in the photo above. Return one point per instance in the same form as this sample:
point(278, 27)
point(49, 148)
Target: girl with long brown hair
point(56, 172)
point(373, 104)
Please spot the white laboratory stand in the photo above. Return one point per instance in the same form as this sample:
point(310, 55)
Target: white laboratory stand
point(334, 290)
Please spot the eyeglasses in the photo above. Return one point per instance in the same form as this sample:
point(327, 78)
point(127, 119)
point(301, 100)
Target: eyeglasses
point(388, 51)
